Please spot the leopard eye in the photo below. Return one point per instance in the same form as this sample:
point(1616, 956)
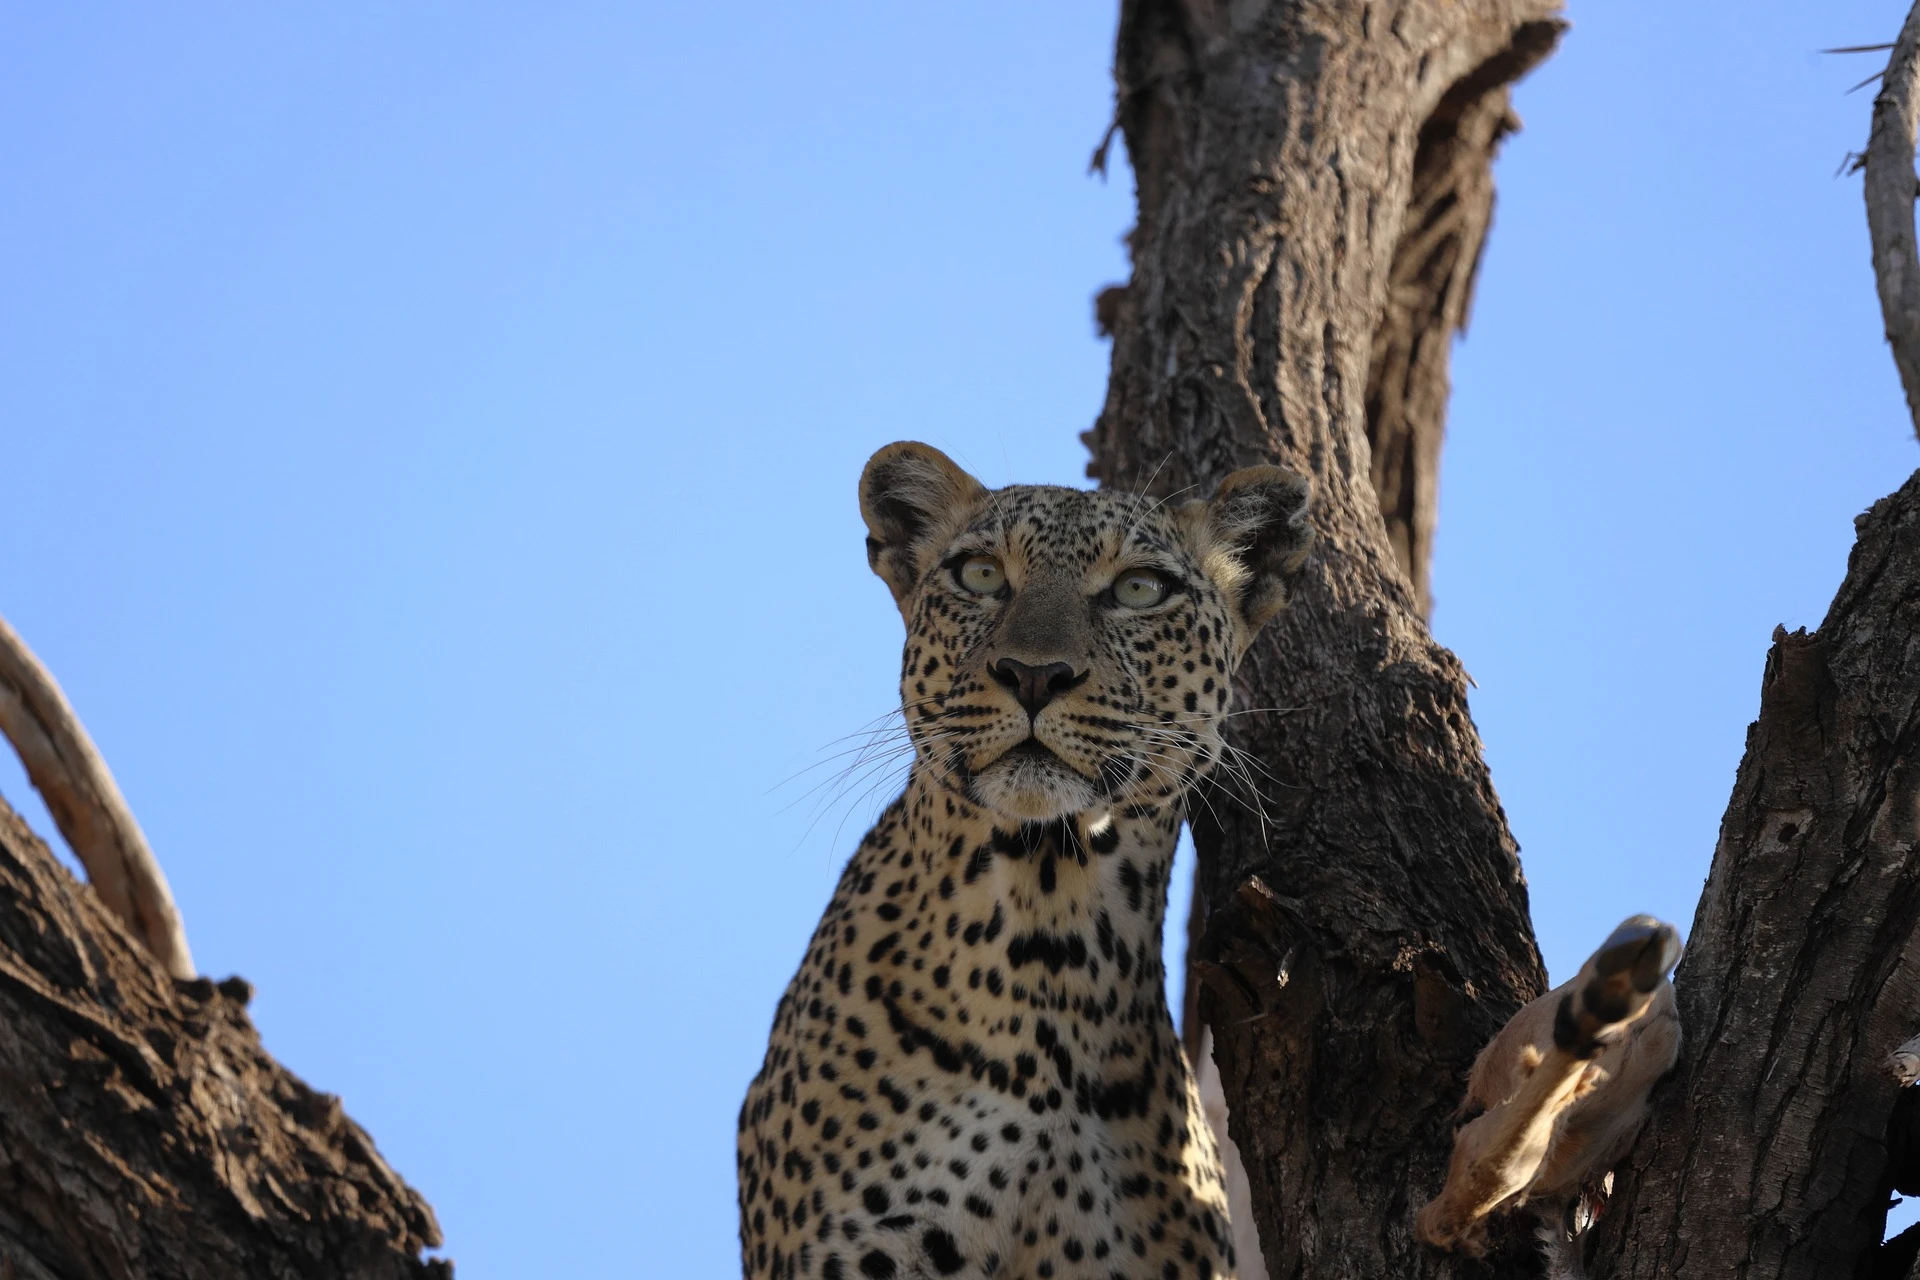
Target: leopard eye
point(981, 575)
point(1140, 588)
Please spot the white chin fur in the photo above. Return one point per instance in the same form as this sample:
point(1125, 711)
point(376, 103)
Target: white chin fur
point(1033, 789)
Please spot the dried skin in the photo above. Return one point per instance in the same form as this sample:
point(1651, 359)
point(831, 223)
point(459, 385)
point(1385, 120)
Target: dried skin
point(1562, 1090)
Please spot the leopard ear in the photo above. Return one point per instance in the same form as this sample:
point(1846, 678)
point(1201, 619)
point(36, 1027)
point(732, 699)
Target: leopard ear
point(910, 495)
point(1259, 517)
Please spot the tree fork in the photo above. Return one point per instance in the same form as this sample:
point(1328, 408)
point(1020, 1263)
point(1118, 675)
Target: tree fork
point(1313, 190)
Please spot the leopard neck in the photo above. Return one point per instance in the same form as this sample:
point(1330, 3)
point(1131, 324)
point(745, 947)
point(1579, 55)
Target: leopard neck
point(1077, 904)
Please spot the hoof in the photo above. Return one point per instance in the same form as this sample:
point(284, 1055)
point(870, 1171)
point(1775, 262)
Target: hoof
point(1623, 974)
point(1642, 949)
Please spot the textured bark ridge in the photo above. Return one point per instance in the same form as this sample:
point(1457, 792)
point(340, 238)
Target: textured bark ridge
point(144, 1132)
point(1769, 1153)
point(1313, 189)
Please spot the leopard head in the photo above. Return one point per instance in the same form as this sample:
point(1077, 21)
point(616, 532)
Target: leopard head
point(1071, 651)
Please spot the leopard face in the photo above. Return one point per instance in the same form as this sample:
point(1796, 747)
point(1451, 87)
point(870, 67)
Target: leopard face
point(1072, 652)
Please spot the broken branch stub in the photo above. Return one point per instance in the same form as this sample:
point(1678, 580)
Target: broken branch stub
point(93, 817)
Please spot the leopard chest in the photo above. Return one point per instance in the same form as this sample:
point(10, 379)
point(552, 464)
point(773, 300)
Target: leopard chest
point(977, 1062)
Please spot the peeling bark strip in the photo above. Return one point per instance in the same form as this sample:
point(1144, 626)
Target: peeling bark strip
point(1767, 1156)
point(95, 821)
point(1312, 182)
point(145, 1133)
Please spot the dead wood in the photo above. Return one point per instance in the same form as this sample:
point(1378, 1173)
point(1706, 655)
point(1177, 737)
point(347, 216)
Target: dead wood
point(144, 1132)
point(80, 793)
point(1776, 1149)
point(1313, 195)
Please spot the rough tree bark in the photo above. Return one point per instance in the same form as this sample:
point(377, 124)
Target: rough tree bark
point(1429, 290)
point(1768, 1155)
point(144, 1132)
point(1313, 187)
point(1429, 296)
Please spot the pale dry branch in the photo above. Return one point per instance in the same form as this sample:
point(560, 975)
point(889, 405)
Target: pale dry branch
point(1890, 187)
point(93, 817)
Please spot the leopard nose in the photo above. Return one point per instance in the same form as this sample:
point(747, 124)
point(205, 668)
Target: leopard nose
point(1035, 687)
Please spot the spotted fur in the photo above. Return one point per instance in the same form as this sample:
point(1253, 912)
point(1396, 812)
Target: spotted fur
point(973, 1073)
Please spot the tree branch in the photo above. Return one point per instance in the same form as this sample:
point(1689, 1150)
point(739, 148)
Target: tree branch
point(1890, 189)
point(144, 1132)
point(1768, 1156)
point(94, 819)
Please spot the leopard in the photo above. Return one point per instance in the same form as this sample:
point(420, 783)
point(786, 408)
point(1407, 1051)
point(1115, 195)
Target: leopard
point(974, 1071)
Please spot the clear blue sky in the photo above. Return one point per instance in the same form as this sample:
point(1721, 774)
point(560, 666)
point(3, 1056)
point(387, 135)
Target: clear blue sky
point(430, 435)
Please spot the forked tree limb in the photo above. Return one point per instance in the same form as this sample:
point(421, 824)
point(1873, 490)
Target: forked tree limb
point(1278, 149)
point(1429, 294)
point(80, 793)
point(1890, 189)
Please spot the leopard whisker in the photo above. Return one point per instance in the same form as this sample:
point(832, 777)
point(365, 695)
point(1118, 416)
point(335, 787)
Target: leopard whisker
point(1232, 763)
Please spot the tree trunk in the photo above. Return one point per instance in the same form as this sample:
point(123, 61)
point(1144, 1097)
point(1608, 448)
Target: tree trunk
point(1313, 189)
point(143, 1130)
point(1769, 1154)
